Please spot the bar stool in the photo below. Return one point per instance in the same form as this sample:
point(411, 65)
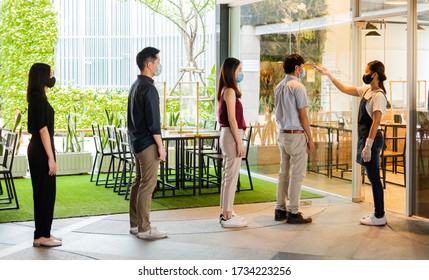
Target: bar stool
point(394, 149)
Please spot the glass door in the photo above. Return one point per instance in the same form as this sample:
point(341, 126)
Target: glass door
point(422, 137)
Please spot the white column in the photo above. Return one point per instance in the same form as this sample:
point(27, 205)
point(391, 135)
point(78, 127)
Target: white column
point(250, 52)
point(234, 32)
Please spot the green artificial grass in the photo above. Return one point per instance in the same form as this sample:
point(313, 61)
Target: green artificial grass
point(77, 196)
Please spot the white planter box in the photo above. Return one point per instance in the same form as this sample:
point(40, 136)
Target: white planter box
point(20, 165)
point(73, 163)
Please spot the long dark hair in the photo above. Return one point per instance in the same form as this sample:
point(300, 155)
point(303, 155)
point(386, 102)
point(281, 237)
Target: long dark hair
point(378, 66)
point(38, 77)
point(227, 77)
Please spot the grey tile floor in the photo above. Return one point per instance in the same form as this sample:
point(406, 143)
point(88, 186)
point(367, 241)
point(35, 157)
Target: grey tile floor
point(195, 234)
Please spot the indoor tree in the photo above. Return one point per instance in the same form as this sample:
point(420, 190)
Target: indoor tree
point(188, 16)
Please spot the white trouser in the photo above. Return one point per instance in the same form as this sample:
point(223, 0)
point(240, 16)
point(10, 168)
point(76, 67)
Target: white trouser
point(231, 167)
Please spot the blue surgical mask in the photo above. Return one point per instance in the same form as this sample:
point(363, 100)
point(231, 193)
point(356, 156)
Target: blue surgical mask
point(157, 73)
point(240, 77)
point(302, 74)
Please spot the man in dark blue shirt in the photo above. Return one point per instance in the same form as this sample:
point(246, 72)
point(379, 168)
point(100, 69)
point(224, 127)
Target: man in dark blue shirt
point(144, 129)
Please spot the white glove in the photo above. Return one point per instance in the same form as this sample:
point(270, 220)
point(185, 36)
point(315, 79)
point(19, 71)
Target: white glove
point(366, 152)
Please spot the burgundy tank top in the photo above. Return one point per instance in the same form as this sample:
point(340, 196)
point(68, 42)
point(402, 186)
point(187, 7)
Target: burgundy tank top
point(223, 114)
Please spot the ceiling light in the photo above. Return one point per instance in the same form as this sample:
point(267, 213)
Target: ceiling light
point(373, 34)
point(395, 2)
point(370, 26)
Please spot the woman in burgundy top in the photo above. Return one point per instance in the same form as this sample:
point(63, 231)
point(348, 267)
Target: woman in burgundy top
point(232, 124)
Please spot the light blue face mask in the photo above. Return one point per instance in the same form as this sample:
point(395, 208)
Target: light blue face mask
point(240, 77)
point(302, 75)
point(157, 73)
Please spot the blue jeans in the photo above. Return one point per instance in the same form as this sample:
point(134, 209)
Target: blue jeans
point(373, 174)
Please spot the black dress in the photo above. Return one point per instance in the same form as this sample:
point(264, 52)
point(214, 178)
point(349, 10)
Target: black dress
point(41, 114)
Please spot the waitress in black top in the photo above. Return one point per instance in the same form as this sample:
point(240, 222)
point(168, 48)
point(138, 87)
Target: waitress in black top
point(370, 140)
point(41, 153)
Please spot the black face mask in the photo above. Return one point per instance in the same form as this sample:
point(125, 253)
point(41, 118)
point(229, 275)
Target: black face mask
point(51, 82)
point(367, 79)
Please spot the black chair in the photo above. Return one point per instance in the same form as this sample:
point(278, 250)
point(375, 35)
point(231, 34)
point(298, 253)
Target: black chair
point(209, 145)
point(393, 150)
point(101, 151)
point(112, 172)
point(218, 159)
point(8, 196)
point(128, 164)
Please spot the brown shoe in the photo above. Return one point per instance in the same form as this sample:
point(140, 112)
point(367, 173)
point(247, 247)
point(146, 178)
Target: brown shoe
point(280, 215)
point(46, 242)
point(297, 218)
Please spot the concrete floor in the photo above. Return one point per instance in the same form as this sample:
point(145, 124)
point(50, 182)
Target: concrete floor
point(195, 234)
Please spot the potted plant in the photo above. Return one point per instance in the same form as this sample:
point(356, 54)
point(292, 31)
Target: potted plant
point(73, 160)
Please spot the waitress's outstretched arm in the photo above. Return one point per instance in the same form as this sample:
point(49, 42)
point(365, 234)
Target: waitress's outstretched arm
point(343, 88)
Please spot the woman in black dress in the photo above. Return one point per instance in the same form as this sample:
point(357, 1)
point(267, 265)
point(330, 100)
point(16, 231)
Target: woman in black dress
point(40, 153)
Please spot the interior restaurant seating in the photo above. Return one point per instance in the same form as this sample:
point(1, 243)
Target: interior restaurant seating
point(393, 152)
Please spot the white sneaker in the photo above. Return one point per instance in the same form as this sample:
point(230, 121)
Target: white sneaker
point(234, 222)
point(233, 215)
point(371, 220)
point(239, 217)
point(152, 234)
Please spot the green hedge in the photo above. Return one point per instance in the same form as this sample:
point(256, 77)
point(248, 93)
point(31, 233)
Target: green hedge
point(28, 31)
point(89, 105)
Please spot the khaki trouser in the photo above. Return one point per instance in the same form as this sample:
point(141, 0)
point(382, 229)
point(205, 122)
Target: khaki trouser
point(147, 164)
point(293, 165)
point(231, 168)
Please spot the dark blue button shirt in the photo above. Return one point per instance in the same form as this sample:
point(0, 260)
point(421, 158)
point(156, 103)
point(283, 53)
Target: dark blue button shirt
point(143, 116)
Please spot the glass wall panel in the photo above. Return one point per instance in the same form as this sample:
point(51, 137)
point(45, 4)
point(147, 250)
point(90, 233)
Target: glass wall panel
point(98, 41)
point(389, 44)
point(321, 32)
point(422, 137)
